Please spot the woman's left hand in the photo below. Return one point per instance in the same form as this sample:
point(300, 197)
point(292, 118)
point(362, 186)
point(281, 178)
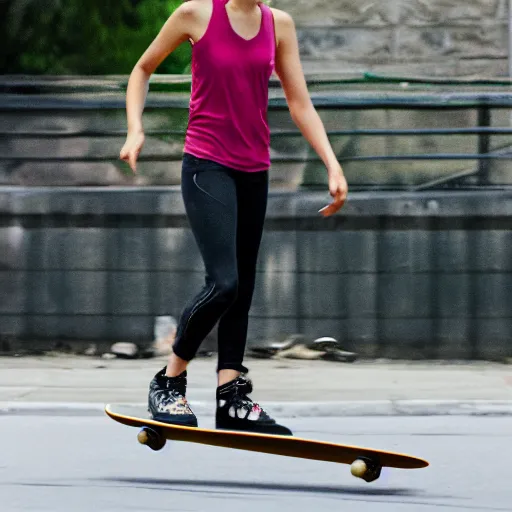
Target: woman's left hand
point(338, 189)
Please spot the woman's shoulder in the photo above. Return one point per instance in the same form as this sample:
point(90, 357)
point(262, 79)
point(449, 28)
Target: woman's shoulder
point(194, 8)
point(282, 17)
point(195, 15)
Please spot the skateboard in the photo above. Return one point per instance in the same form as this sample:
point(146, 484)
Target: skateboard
point(365, 463)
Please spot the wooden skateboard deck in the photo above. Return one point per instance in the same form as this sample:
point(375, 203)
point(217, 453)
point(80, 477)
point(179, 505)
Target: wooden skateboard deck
point(366, 463)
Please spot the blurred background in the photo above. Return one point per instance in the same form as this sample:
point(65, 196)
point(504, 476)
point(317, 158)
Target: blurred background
point(416, 97)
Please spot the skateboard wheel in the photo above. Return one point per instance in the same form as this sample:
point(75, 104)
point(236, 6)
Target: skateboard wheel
point(367, 469)
point(358, 468)
point(151, 438)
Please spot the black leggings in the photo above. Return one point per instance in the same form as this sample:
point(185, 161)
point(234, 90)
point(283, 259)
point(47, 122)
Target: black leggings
point(226, 211)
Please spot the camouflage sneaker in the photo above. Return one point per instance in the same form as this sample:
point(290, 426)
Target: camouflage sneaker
point(236, 411)
point(167, 402)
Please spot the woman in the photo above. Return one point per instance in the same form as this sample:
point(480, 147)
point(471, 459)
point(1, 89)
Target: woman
point(236, 45)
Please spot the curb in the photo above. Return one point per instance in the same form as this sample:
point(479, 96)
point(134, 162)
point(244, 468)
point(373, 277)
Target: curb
point(292, 409)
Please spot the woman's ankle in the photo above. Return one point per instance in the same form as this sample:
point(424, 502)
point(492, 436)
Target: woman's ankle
point(176, 366)
point(225, 376)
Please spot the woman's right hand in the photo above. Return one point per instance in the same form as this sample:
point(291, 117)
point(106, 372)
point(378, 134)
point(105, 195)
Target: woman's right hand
point(131, 149)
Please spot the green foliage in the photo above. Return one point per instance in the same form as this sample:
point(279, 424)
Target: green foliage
point(89, 37)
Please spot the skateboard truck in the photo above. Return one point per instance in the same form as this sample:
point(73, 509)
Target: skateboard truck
point(365, 468)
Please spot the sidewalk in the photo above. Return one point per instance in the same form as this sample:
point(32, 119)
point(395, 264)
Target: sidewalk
point(82, 385)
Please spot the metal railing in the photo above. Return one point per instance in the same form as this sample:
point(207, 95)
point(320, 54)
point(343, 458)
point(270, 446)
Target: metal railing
point(484, 103)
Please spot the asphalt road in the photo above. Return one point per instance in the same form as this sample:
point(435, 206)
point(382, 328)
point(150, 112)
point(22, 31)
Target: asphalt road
point(93, 464)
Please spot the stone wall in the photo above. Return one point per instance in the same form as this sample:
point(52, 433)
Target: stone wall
point(412, 37)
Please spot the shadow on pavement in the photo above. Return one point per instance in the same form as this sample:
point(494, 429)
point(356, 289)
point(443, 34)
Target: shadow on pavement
point(399, 496)
point(266, 486)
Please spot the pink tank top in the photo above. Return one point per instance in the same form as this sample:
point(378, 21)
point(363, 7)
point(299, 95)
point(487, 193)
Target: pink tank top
point(228, 105)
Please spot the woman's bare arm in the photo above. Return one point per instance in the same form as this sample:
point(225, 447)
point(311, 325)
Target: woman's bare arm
point(290, 72)
point(175, 31)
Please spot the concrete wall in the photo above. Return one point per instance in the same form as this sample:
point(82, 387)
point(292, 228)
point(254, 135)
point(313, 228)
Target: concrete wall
point(397, 275)
point(411, 37)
